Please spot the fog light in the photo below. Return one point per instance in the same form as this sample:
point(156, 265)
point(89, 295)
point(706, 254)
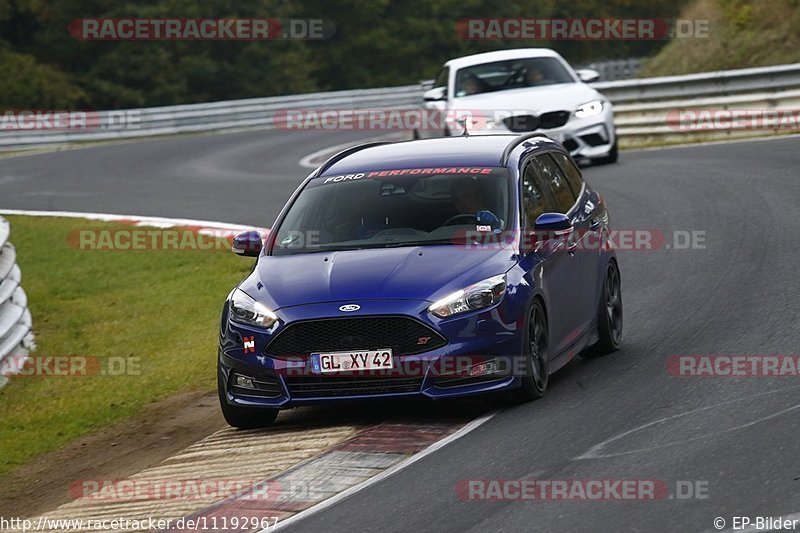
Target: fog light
point(489, 367)
point(243, 382)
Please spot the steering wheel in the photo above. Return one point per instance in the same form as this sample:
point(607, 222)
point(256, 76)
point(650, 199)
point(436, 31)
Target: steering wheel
point(452, 220)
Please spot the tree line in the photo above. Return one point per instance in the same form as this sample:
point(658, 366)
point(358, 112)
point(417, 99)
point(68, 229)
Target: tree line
point(376, 43)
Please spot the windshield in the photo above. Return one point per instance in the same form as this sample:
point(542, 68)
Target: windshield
point(512, 74)
point(389, 208)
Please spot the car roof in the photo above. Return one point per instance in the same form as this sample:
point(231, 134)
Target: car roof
point(472, 150)
point(500, 55)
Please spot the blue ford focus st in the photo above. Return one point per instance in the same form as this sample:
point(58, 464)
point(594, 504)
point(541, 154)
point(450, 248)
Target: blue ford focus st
point(435, 268)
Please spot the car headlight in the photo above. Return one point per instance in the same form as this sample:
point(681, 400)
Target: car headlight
point(245, 310)
point(478, 296)
point(589, 109)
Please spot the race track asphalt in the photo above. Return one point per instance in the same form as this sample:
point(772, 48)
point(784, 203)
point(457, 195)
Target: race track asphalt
point(622, 416)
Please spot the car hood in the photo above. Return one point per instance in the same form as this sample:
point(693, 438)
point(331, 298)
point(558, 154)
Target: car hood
point(563, 96)
point(409, 273)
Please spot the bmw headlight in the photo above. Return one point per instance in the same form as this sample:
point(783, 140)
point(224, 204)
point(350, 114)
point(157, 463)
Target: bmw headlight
point(478, 296)
point(245, 310)
point(589, 109)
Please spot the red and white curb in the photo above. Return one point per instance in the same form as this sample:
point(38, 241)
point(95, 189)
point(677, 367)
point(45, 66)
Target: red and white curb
point(362, 460)
point(199, 226)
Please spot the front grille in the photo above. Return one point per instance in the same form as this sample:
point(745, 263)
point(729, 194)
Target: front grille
point(554, 119)
point(545, 121)
point(311, 387)
point(520, 123)
point(404, 336)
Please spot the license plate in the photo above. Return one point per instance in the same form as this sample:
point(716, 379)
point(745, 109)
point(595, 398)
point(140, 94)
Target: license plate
point(325, 363)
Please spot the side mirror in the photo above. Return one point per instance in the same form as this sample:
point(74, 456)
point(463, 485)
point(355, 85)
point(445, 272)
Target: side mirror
point(588, 75)
point(426, 84)
point(435, 95)
point(555, 224)
point(549, 230)
point(247, 244)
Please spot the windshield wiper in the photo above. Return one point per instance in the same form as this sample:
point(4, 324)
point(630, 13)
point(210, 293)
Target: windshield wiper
point(437, 242)
point(369, 246)
point(303, 251)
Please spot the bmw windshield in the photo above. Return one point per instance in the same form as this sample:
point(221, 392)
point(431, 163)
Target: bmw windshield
point(510, 74)
point(390, 208)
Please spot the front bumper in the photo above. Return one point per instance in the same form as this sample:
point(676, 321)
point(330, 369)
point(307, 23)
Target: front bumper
point(479, 356)
point(584, 138)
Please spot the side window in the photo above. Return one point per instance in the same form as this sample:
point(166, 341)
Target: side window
point(536, 198)
point(572, 173)
point(441, 79)
point(556, 182)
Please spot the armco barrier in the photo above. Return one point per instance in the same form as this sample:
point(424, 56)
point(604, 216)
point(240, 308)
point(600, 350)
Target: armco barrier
point(705, 84)
point(616, 69)
point(16, 338)
point(638, 106)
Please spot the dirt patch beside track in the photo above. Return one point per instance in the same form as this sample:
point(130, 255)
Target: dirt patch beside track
point(158, 432)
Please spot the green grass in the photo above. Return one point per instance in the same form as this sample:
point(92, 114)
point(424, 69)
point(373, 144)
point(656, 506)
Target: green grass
point(742, 33)
point(159, 306)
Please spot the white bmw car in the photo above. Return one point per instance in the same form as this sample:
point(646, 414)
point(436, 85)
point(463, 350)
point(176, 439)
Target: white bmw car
point(519, 91)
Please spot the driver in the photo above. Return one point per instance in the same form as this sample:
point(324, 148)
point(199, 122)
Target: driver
point(466, 196)
point(471, 84)
point(533, 76)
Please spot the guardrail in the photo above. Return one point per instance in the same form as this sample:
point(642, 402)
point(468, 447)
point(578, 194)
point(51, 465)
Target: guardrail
point(230, 115)
point(634, 100)
point(16, 338)
point(616, 69)
point(705, 84)
point(661, 122)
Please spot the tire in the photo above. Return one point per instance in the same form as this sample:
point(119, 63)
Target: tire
point(612, 157)
point(243, 417)
point(534, 382)
point(609, 317)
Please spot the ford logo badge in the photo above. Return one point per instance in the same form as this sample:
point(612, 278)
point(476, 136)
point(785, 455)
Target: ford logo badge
point(349, 308)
